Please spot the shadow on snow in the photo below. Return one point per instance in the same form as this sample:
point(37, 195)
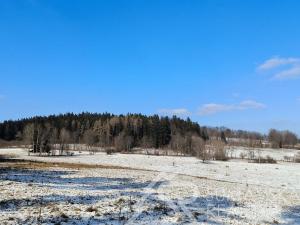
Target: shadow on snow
point(208, 209)
point(291, 215)
point(57, 179)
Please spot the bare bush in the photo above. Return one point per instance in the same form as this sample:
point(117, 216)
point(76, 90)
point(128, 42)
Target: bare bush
point(251, 154)
point(109, 151)
point(267, 159)
point(243, 155)
point(297, 158)
point(287, 158)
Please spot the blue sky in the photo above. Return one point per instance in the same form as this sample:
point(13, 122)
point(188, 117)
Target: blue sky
point(231, 63)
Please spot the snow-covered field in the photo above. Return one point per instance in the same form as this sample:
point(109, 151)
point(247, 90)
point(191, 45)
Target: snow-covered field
point(278, 154)
point(147, 190)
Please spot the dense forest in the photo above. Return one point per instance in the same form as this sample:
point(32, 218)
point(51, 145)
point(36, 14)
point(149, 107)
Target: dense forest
point(102, 129)
point(124, 132)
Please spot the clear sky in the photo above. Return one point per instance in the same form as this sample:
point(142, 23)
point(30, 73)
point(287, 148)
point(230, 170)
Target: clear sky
point(231, 63)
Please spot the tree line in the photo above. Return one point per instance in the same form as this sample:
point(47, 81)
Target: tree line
point(124, 132)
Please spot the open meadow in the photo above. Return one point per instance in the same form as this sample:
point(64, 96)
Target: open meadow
point(144, 189)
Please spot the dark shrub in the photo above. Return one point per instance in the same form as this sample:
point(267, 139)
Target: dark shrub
point(109, 151)
point(267, 159)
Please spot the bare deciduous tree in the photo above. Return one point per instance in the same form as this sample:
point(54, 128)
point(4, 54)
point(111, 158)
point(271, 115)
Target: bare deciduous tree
point(177, 143)
point(64, 139)
point(275, 138)
point(198, 148)
point(28, 136)
point(280, 138)
point(90, 138)
point(289, 138)
point(123, 142)
point(219, 151)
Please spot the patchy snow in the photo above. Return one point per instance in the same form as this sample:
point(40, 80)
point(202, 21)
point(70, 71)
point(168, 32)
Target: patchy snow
point(162, 190)
point(272, 175)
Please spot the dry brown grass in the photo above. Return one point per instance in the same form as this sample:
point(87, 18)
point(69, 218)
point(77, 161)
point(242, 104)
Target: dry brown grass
point(27, 164)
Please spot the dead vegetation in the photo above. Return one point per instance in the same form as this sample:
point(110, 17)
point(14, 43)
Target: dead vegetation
point(27, 164)
point(267, 159)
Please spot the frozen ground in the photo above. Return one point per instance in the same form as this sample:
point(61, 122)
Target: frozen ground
point(155, 190)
